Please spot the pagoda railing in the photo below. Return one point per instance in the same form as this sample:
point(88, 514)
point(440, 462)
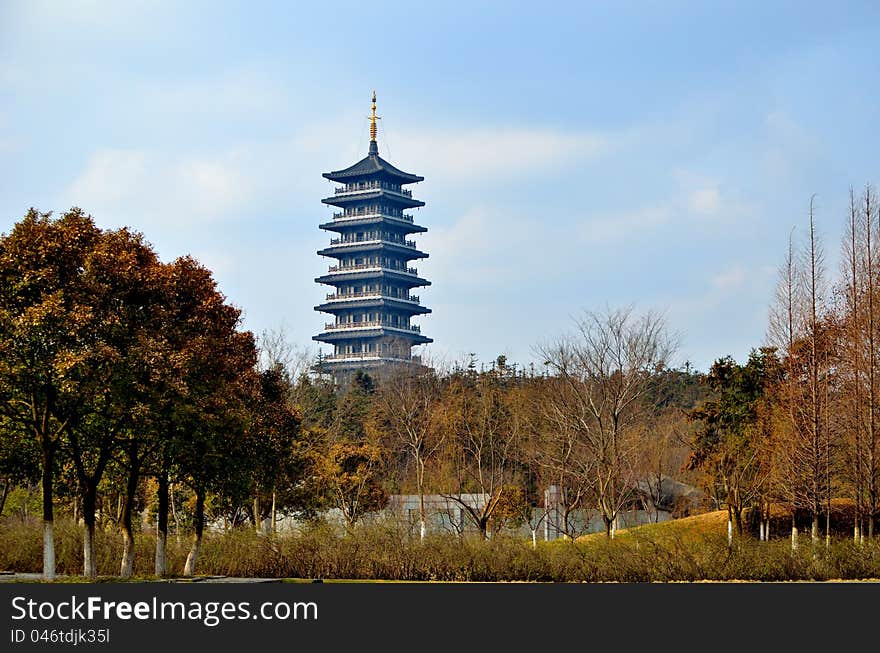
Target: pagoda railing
point(370, 266)
point(335, 326)
point(357, 295)
point(360, 216)
point(344, 241)
point(372, 355)
point(371, 185)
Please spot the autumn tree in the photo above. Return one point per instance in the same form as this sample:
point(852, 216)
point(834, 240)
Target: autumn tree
point(480, 450)
point(348, 476)
point(406, 410)
point(46, 322)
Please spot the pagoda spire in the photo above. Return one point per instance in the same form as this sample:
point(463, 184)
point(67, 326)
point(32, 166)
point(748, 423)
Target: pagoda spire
point(374, 146)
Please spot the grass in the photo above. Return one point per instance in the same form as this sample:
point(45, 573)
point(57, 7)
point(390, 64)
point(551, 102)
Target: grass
point(692, 549)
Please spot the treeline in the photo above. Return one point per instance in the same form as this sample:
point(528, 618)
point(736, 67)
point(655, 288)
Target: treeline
point(131, 396)
point(797, 425)
point(116, 368)
point(133, 399)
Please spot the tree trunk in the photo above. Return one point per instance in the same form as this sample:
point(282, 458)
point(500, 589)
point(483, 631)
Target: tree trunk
point(794, 533)
point(814, 529)
point(126, 566)
point(534, 537)
point(729, 527)
point(162, 526)
point(6, 483)
point(90, 497)
point(272, 521)
point(190, 567)
point(423, 527)
point(258, 515)
point(48, 514)
point(174, 514)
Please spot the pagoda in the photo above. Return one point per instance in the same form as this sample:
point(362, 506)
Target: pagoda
point(372, 302)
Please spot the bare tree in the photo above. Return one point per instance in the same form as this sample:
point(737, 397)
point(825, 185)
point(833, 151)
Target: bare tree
point(406, 408)
point(784, 330)
point(481, 446)
point(605, 370)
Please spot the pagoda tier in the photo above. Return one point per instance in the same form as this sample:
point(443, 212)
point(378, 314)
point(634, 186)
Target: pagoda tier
point(372, 303)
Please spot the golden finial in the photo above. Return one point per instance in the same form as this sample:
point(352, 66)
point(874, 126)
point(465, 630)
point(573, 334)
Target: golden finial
point(373, 119)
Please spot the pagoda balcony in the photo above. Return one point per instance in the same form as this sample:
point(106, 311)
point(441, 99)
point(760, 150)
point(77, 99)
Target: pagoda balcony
point(370, 356)
point(371, 266)
point(334, 326)
point(370, 186)
point(400, 243)
point(340, 216)
point(333, 297)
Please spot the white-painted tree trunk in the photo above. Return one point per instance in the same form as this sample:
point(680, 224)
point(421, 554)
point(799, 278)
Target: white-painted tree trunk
point(828, 529)
point(174, 514)
point(423, 529)
point(189, 568)
point(534, 537)
point(161, 547)
point(48, 550)
point(126, 568)
point(761, 531)
point(258, 516)
point(90, 564)
point(274, 518)
point(729, 530)
point(794, 538)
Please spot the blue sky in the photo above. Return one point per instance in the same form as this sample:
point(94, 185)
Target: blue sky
point(576, 155)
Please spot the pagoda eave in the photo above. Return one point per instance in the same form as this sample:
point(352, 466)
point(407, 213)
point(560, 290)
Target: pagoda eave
point(342, 250)
point(342, 224)
point(354, 198)
point(333, 336)
point(358, 303)
point(372, 166)
point(338, 277)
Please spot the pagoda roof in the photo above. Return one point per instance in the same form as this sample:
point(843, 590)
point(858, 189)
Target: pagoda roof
point(372, 165)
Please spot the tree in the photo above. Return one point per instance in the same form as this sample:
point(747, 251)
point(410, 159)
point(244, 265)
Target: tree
point(605, 371)
point(481, 446)
point(120, 288)
point(558, 454)
point(406, 409)
point(46, 321)
point(729, 438)
point(275, 447)
point(347, 477)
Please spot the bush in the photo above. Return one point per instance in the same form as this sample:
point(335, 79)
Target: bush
point(388, 550)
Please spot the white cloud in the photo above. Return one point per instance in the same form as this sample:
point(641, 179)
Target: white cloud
point(488, 244)
point(485, 153)
point(730, 279)
point(110, 177)
point(620, 226)
point(705, 201)
point(159, 190)
point(120, 18)
point(235, 92)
